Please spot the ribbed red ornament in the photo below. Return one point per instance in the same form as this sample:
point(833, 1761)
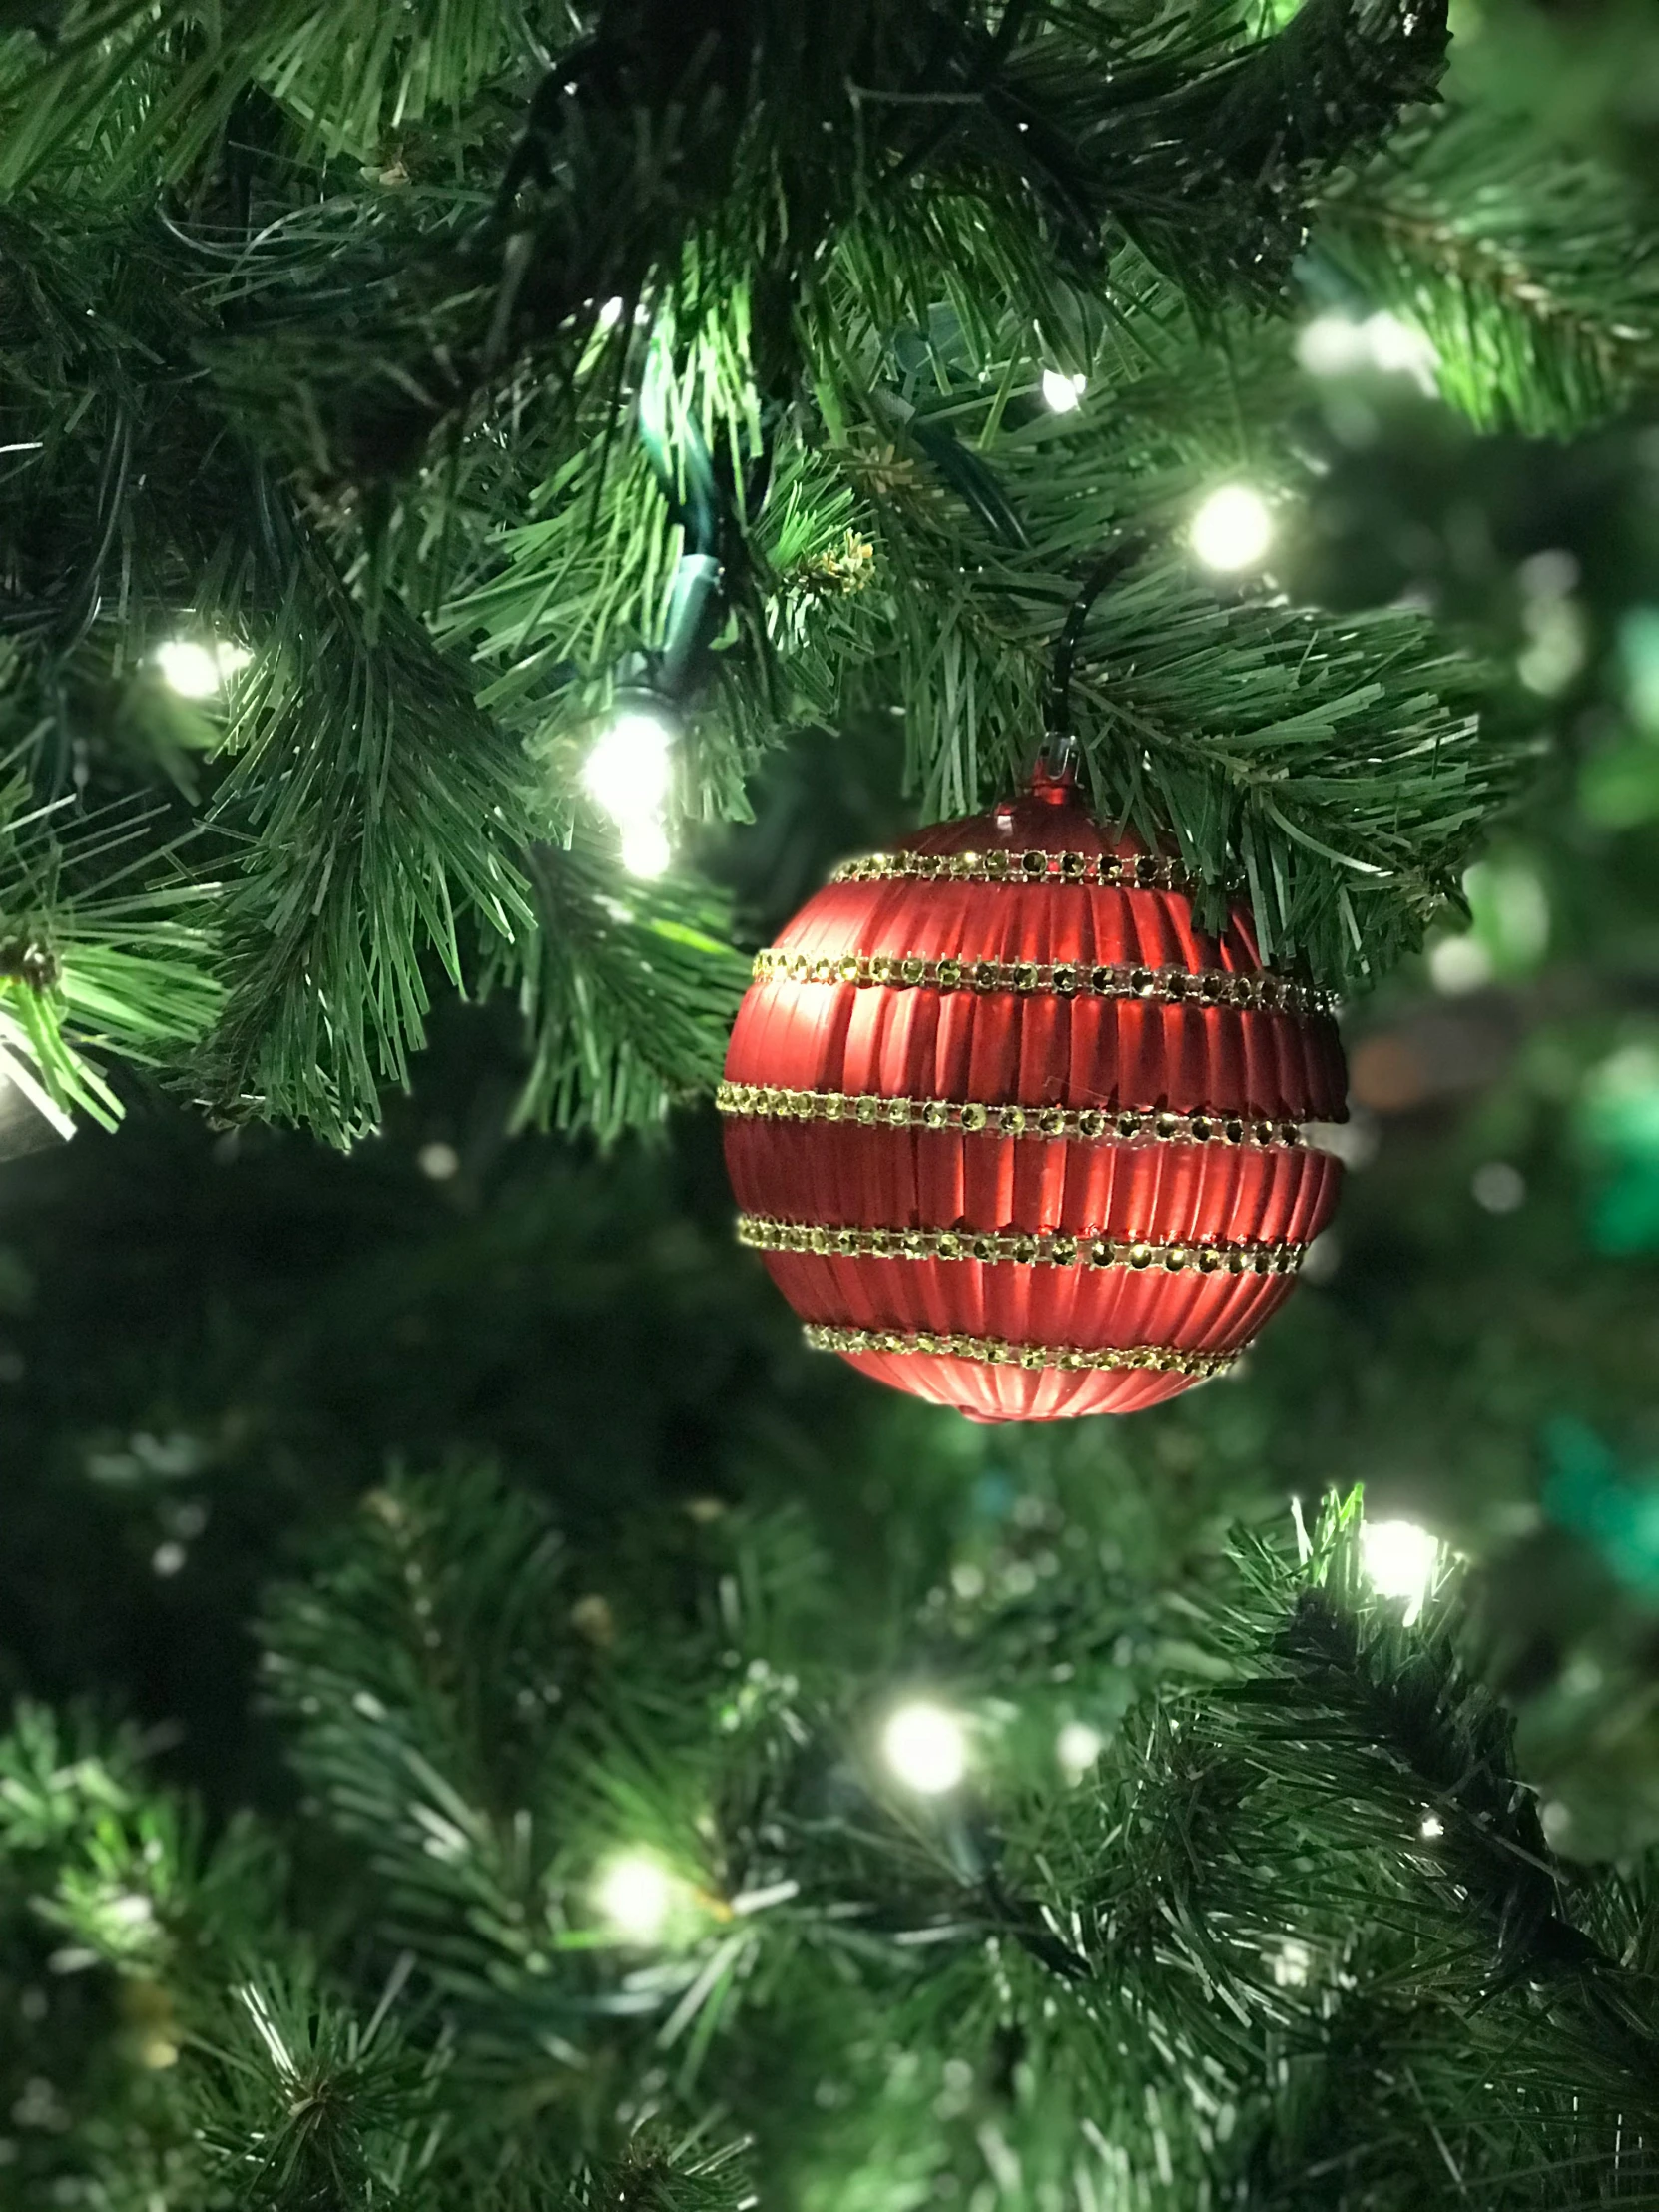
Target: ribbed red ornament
point(1012, 1134)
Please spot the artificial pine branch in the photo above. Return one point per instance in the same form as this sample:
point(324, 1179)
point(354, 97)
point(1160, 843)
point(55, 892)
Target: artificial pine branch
point(1456, 1741)
point(1241, 1894)
point(362, 383)
point(383, 807)
point(106, 948)
point(1202, 144)
point(627, 999)
point(1513, 257)
point(419, 1695)
point(1232, 1965)
point(1333, 768)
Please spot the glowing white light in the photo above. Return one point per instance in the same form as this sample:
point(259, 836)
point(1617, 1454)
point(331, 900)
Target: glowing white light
point(1433, 1825)
point(1399, 1558)
point(189, 668)
point(1232, 529)
point(1337, 345)
point(1322, 1259)
point(1399, 350)
point(1293, 1963)
point(1559, 633)
point(1355, 1142)
point(1498, 1187)
point(629, 773)
point(637, 1893)
point(1332, 345)
point(1458, 964)
point(1063, 392)
point(645, 848)
point(925, 1747)
point(439, 1161)
point(196, 670)
point(610, 313)
point(1078, 1747)
point(630, 767)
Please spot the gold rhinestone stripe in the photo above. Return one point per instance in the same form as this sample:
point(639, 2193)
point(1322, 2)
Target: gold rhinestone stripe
point(1059, 1250)
point(994, 1352)
point(1257, 993)
point(1091, 1123)
point(1144, 872)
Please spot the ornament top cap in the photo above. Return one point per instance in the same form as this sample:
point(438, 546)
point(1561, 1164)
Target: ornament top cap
point(1056, 786)
point(1049, 816)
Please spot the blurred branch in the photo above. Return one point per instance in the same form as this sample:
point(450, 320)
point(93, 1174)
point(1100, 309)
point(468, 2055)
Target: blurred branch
point(1514, 259)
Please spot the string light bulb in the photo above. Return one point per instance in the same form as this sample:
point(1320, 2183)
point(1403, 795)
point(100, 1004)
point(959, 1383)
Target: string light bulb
point(196, 668)
point(1339, 345)
point(1077, 1748)
point(629, 772)
point(1399, 1560)
point(1399, 349)
point(1063, 393)
point(1233, 528)
point(637, 1895)
point(646, 852)
point(925, 1747)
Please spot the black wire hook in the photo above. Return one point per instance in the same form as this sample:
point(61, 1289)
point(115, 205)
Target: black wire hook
point(1057, 754)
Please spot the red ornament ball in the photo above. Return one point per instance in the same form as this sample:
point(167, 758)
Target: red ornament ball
point(1012, 1134)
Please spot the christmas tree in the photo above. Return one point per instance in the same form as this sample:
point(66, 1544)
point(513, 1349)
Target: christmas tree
point(498, 503)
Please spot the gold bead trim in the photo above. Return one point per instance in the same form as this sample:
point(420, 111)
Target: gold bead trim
point(1256, 992)
point(994, 1352)
point(1140, 871)
point(1092, 1124)
point(1059, 1250)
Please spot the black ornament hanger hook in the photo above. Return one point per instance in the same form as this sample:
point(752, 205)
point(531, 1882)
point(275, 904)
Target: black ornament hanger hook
point(1057, 754)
